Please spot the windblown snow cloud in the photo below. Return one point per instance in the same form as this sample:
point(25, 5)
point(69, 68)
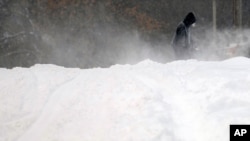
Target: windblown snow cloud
point(183, 100)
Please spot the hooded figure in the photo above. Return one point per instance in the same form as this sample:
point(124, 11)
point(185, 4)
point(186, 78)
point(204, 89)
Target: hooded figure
point(182, 42)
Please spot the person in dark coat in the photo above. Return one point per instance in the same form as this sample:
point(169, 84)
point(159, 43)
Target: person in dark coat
point(182, 41)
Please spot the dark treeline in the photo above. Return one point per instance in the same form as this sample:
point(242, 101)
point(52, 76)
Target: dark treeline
point(89, 33)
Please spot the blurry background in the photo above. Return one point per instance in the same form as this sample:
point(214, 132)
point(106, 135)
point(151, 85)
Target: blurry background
point(100, 33)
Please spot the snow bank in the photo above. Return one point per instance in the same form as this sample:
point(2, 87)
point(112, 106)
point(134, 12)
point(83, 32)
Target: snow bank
point(178, 101)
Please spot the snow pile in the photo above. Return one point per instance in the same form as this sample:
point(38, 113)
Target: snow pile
point(178, 101)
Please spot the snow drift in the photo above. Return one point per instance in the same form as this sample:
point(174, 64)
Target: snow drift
point(179, 101)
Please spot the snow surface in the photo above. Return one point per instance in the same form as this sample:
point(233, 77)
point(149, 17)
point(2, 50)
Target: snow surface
point(178, 101)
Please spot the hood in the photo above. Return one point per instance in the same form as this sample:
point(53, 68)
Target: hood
point(189, 19)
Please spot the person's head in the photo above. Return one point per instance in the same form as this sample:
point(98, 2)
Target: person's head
point(189, 19)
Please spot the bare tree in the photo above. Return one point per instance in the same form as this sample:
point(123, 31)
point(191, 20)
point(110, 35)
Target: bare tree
point(18, 36)
point(214, 18)
point(237, 13)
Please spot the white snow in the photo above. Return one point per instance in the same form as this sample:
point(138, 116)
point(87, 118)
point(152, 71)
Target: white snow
point(178, 101)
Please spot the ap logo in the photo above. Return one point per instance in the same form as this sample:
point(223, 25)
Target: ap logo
point(239, 132)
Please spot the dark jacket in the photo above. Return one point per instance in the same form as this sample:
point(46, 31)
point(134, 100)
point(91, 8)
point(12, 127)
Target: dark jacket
point(182, 40)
